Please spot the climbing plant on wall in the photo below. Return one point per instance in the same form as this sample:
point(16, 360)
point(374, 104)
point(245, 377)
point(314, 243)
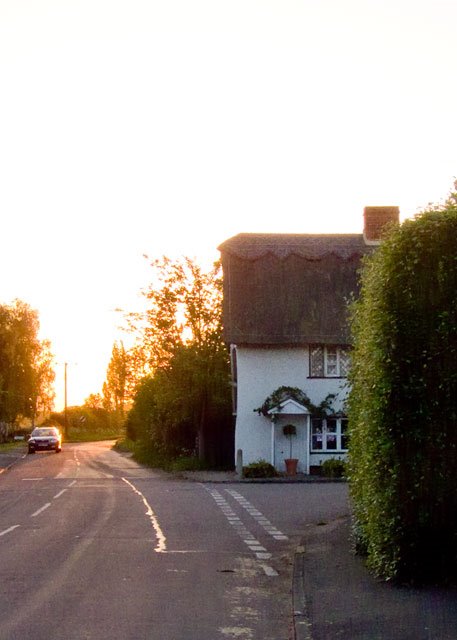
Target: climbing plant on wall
point(294, 393)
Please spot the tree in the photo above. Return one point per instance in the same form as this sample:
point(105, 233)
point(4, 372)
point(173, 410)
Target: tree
point(180, 345)
point(43, 393)
point(26, 374)
point(403, 401)
point(94, 401)
point(116, 388)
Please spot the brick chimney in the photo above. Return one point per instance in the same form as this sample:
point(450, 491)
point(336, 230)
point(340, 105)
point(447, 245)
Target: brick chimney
point(375, 219)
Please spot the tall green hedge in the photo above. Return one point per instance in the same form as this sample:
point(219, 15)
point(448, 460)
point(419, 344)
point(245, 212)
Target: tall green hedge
point(403, 401)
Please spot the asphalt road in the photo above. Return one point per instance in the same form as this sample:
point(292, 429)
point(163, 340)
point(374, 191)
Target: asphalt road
point(94, 546)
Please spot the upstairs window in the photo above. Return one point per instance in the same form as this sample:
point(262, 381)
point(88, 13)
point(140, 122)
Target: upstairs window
point(328, 361)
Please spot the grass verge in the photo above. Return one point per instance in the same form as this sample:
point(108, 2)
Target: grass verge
point(11, 446)
point(157, 460)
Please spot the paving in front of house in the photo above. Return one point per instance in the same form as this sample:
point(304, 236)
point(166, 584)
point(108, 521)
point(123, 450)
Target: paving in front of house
point(336, 598)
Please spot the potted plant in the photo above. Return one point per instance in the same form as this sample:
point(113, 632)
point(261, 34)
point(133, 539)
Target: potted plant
point(290, 430)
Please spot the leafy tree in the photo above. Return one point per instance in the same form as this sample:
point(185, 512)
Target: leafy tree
point(403, 401)
point(26, 374)
point(185, 401)
point(183, 308)
point(139, 418)
point(94, 401)
point(43, 394)
point(118, 377)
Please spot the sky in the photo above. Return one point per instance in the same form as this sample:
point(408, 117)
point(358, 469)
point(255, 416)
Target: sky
point(164, 127)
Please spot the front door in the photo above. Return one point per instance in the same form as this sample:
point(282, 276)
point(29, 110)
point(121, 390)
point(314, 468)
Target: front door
point(299, 443)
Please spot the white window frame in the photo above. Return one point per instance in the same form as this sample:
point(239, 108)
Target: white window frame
point(338, 433)
point(327, 351)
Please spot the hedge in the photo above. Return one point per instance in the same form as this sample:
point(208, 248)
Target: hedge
point(403, 402)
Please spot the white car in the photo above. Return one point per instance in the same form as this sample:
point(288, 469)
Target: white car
point(45, 439)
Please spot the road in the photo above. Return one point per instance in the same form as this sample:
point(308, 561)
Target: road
point(94, 546)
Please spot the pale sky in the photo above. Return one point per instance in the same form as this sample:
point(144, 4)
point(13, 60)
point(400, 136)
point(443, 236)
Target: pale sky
point(167, 126)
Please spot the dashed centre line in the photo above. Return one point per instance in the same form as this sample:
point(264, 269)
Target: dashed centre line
point(40, 510)
point(3, 533)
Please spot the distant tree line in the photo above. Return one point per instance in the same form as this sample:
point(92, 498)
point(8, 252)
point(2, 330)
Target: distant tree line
point(101, 415)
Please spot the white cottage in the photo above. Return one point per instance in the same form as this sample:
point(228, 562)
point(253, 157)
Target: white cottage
point(285, 319)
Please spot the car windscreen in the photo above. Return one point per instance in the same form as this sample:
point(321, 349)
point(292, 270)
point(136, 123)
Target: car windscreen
point(38, 433)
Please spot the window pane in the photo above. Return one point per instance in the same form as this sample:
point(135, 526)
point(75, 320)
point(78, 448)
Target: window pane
point(316, 361)
point(345, 362)
point(316, 431)
point(316, 425)
point(331, 436)
point(332, 362)
point(344, 434)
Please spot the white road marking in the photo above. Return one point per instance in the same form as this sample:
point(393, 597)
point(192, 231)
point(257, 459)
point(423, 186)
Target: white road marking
point(257, 515)
point(31, 479)
point(247, 537)
point(269, 571)
point(184, 551)
point(72, 483)
point(60, 493)
point(161, 539)
point(3, 533)
point(177, 571)
point(237, 632)
point(43, 508)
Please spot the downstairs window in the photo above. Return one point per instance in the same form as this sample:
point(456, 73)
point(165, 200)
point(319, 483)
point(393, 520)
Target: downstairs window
point(329, 434)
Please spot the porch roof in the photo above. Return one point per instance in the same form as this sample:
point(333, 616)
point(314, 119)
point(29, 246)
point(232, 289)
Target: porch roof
point(289, 407)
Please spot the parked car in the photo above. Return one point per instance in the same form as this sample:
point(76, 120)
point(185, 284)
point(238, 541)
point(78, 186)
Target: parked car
point(45, 438)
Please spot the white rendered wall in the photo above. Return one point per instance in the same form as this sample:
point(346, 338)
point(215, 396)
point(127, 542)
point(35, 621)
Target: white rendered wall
point(262, 371)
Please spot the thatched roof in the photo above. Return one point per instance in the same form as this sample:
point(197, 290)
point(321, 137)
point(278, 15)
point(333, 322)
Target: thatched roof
point(252, 246)
point(289, 289)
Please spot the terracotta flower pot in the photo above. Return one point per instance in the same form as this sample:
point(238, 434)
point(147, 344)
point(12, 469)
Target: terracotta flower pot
point(291, 466)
